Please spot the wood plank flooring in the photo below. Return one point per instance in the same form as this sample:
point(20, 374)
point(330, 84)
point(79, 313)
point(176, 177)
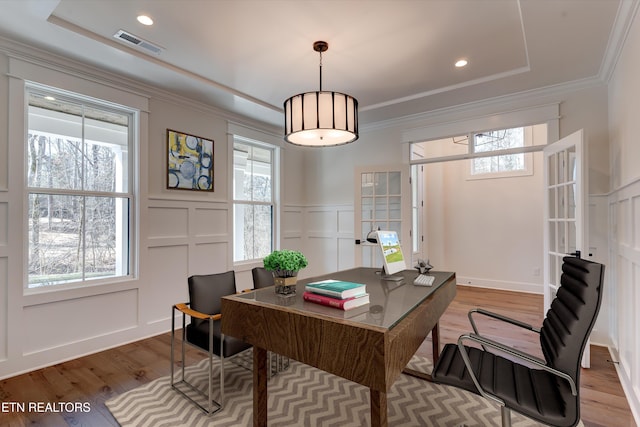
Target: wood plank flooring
point(98, 377)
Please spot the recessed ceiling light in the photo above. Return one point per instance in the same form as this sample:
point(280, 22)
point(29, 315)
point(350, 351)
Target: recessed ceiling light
point(49, 98)
point(461, 63)
point(145, 20)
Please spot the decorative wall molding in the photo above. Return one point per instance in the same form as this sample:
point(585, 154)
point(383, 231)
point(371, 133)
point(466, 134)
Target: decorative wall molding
point(623, 271)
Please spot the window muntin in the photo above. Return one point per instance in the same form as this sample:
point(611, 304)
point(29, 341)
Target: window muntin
point(380, 201)
point(458, 148)
point(498, 140)
point(78, 189)
point(253, 210)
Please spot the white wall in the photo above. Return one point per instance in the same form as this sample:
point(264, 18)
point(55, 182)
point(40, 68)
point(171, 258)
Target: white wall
point(624, 213)
point(489, 231)
point(452, 207)
point(180, 232)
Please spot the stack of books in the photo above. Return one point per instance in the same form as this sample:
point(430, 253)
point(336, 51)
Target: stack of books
point(338, 294)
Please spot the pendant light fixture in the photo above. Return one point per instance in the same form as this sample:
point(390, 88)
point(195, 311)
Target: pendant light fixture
point(322, 118)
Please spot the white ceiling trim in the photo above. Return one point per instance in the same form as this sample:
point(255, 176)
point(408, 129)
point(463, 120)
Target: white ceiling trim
point(521, 117)
point(468, 83)
point(545, 95)
point(624, 18)
point(448, 88)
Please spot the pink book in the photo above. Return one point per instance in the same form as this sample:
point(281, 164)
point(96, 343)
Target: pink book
point(343, 304)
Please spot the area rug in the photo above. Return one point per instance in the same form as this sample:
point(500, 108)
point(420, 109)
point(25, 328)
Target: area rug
point(305, 396)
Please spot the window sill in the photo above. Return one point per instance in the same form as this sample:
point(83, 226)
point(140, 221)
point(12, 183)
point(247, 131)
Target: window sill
point(49, 294)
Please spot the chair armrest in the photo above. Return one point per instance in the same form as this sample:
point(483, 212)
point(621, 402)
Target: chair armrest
point(499, 317)
point(512, 352)
point(182, 307)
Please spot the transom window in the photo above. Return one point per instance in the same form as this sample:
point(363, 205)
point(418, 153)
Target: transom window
point(79, 188)
point(498, 140)
point(253, 199)
point(491, 154)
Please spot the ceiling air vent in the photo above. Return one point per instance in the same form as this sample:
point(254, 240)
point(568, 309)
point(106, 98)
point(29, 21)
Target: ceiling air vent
point(131, 39)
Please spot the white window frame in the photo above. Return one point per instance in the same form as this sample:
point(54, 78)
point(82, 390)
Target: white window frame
point(128, 242)
point(527, 169)
point(274, 194)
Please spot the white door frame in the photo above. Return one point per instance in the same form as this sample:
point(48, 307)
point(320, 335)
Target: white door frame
point(364, 252)
point(565, 211)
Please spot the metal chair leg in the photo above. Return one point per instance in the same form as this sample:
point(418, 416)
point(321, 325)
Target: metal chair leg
point(210, 370)
point(221, 370)
point(173, 335)
point(212, 405)
point(506, 416)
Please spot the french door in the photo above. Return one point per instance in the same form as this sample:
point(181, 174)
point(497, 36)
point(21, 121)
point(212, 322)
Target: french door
point(382, 202)
point(564, 212)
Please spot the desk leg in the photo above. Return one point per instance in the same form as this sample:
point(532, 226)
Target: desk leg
point(259, 387)
point(435, 342)
point(378, 408)
point(435, 346)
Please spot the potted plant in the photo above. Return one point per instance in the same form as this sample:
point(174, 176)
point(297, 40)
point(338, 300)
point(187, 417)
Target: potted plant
point(284, 265)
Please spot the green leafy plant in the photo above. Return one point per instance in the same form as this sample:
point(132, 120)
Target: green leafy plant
point(285, 263)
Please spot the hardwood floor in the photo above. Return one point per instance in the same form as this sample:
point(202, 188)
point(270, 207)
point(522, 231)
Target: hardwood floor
point(98, 377)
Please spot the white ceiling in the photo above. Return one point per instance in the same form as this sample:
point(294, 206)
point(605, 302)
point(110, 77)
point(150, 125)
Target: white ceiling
point(395, 56)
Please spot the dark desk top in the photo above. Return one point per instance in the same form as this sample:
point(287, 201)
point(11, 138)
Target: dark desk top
point(390, 301)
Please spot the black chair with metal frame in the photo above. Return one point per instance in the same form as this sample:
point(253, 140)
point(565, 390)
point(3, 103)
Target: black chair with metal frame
point(263, 278)
point(203, 308)
point(546, 390)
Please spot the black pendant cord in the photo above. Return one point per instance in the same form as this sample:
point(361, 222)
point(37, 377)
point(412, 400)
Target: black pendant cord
point(320, 47)
point(320, 71)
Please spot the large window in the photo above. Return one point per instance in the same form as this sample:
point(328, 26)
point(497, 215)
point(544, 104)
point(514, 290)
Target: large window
point(79, 187)
point(253, 199)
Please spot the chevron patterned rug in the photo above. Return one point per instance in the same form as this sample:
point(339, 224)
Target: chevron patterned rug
point(305, 396)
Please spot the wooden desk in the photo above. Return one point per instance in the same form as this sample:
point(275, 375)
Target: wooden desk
point(370, 345)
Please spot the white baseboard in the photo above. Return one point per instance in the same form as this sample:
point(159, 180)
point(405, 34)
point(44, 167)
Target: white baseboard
point(531, 288)
point(632, 398)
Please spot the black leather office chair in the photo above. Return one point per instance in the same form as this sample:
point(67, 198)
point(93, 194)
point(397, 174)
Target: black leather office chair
point(546, 390)
point(204, 332)
point(262, 277)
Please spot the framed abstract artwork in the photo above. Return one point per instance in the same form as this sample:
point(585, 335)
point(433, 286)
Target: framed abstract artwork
point(190, 162)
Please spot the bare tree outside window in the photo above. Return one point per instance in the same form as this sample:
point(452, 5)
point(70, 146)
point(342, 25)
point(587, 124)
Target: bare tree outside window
point(253, 200)
point(78, 193)
point(495, 141)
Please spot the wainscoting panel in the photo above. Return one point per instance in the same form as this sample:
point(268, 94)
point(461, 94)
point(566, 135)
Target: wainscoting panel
point(345, 222)
point(167, 281)
point(292, 221)
point(294, 243)
point(4, 227)
point(4, 332)
point(208, 258)
point(328, 238)
point(321, 220)
point(185, 238)
point(84, 319)
point(4, 275)
point(209, 222)
point(623, 274)
point(599, 252)
point(164, 221)
point(635, 210)
point(317, 249)
point(346, 253)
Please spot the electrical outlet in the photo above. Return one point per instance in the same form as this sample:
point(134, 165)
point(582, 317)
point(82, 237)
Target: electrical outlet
point(536, 272)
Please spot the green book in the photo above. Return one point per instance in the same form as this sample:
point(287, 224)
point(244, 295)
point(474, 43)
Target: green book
point(337, 288)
